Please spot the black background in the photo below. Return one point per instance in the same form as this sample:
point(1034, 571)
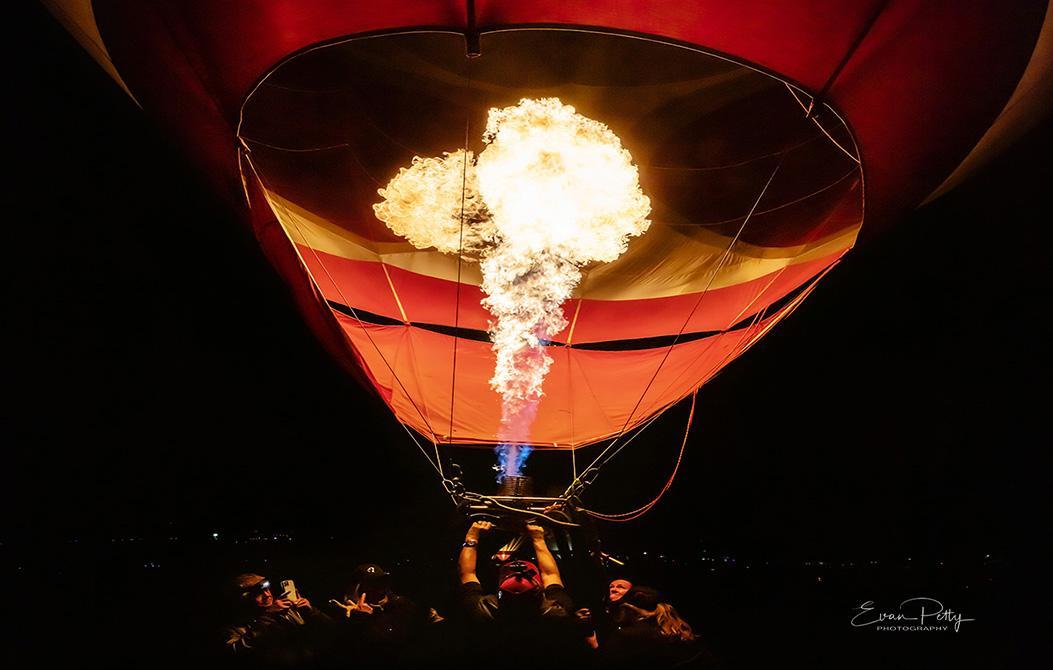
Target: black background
point(160, 384)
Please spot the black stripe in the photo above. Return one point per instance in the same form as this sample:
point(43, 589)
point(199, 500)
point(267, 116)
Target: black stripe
point(606, 345)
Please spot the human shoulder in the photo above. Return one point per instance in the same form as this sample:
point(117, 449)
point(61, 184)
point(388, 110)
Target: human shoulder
point(471, 587)
point(476, 603)
point(556, 601)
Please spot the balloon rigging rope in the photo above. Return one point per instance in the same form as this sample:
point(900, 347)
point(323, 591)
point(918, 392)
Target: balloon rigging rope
point(746, 332)
point(437, 468)
point(457, 299)
point(355, 314)
point(623, 517)
point(778, 317)
point(821, 189)
point(330, 147)
point(728, 166)
point(573, 457)
point(712, 277)
point(640, 511)
point(460, 263)
point(808, 110)
point(669, 350)
point(738, 348)
point(623, 445)
point(637, 431)
point(835, 142)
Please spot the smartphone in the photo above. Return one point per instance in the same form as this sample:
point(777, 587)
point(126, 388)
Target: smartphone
point(289, 591)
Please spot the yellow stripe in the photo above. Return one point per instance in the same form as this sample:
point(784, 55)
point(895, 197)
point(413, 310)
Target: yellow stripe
point(686, 256)
point(394, 293)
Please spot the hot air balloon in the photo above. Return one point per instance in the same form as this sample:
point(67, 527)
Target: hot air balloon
point(768, 137)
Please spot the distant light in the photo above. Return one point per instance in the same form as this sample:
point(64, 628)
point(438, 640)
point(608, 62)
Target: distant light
point(215, 536)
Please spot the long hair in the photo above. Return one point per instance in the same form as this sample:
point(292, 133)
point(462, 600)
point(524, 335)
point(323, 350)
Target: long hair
point(666, 619)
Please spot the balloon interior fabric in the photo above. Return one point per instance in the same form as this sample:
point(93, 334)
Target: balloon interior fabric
point(752, 202)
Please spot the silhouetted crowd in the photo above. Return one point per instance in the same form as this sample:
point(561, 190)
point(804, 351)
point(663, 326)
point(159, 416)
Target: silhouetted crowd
point(529, 618)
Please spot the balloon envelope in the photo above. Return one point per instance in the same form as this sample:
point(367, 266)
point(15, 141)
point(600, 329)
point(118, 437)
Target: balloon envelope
point(751, 202)
point(306, 108)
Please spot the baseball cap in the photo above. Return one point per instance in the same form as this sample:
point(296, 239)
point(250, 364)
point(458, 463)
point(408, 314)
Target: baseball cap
point(519, 577)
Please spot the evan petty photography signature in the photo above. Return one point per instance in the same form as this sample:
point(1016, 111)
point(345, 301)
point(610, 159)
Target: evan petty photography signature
point(913, 614)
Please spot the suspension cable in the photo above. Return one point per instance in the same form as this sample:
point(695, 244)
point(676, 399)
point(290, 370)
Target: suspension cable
point(716, 269)
point(350, 307)
point(623, 517)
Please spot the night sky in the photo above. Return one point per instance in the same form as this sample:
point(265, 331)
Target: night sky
point(159, 378)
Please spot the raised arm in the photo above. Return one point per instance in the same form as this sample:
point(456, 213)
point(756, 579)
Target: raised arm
point(467, 560)
point(546, 563)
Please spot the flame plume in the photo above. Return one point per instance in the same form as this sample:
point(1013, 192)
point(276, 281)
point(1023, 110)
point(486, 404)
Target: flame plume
point(552, 192)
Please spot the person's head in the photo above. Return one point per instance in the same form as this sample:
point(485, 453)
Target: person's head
point(518, 581)
point(372, 580)
point(636, 604)
point(617, 589)
point(254, 590)
point(645, 604)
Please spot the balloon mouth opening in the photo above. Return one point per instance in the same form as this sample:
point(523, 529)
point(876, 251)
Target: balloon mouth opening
point(328, 126)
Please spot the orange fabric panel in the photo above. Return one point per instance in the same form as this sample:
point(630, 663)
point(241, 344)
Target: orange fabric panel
point(589, 395)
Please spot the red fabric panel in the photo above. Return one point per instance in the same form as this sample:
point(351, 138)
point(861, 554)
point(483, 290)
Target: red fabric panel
point(231, 44)
point(430, 300)
point(774, 35)
point(778, 36)
point(155, 68)
point(922, 88)
point(310, 302)
point(925, 85)
point(357, 284)
point(717, 309)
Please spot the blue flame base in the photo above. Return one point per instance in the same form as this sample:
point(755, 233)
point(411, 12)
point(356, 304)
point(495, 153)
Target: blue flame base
point(510, 460)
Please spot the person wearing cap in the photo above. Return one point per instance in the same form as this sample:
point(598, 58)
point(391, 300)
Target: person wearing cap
point(381, 623)
point(283, 631)
point(530, 618)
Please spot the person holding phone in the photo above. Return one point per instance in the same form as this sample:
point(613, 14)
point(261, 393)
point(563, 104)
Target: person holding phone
point(279, 632)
